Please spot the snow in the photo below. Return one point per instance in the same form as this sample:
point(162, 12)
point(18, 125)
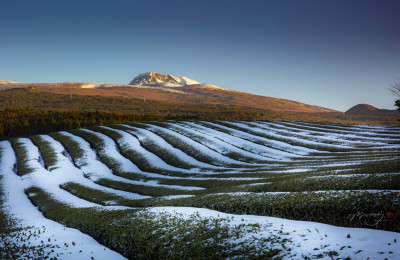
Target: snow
point(109, 149)
point(176, 197)
point(50, 181)
point(96, 170)
point(278, 145)
point(222, 139)
point(262, 127)
point(175, 82)
point(304, 236)
point(145, 135)
point(332, 193)
point(17, 206)
point(340, 138)
point(65, 172)
point(128, 142)
point(214, 142)
point(187, 81)
point(361, 133)
point(196, 146)
point(372, 130)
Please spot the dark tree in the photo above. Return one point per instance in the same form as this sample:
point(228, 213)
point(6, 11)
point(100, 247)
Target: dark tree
point(395, 89)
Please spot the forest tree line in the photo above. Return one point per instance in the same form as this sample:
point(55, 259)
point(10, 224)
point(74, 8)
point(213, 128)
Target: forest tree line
point(26, 122)
point(25, 112)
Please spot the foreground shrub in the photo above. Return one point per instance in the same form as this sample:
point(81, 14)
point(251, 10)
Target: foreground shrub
point(140, 234)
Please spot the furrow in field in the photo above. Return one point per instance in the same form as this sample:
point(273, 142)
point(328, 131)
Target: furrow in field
point(243, 143)
point(369, 130)
point(146, 160)
point(195, 149)
point(267, 142)
point(105, 148)
point(221, 147)
point(359, 133)
point(64, 164)
point(50, 181)
point(32, 228)
point(150, 179)
point(264, 131)
point(91, 167)
point(80, 153)
point(306, 136)
point(163, 149)
point(353, 139)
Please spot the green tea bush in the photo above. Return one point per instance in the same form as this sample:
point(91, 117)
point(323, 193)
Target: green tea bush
point(335, 208)
point(140, 234)
point(22, 166)
point(47, 152)
point(380, 182)
point(152, 146)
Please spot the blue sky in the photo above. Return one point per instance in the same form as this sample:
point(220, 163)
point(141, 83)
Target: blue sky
point(334, 54)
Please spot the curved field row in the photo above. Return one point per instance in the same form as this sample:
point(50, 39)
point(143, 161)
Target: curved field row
point(234, 167)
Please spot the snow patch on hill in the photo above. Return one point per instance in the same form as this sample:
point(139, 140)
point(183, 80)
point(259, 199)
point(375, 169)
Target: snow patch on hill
point(153, 78)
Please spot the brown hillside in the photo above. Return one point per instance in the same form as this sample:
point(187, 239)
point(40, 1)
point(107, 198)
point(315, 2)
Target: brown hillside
point(26, 101)
point(189, 94)
point(368, 110)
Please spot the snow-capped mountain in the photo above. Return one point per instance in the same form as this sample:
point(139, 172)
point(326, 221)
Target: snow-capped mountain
point(156, 79)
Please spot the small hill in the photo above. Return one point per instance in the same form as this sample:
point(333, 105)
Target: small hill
point(368, 110)
point(361, 109)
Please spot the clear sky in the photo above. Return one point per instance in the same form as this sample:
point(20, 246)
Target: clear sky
point(334, 54)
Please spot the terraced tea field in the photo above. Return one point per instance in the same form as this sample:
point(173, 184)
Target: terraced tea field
point(181, 189)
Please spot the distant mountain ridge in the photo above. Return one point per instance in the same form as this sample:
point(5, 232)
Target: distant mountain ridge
point(368, 110)
point(167, 94)
point(170, 89)
point(6, 82)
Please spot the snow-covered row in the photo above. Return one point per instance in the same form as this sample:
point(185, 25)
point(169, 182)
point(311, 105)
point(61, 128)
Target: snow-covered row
point(362, 133)
point(365, 129)
point(63, 172)
point(354, 139)
point(196, 147)
point(128, 142)
point(239, 142)
point(35, 227)
point(144, 135)
point(304, 239)
point(298, 136)
point(259, 129)
point(109, 149)
point(51, 181)
point(96, 170)
point(278, 145)
point(218, 145)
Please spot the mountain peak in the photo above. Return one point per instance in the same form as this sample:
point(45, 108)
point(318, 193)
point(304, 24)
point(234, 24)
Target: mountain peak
point(156, 79)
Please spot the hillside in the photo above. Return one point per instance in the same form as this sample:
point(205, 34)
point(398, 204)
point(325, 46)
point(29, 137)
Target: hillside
point(6, 82)
point(153, 97)
point(368, 110)
point(167, 88)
